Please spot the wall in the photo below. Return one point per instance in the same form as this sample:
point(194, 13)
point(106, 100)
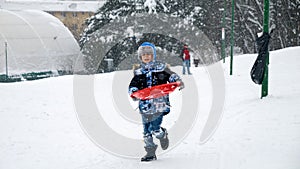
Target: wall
point(75, 21)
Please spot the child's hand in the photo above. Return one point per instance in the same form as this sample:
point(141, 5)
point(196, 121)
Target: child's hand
point(135, 99)
point(181, 85)
point(132, 90)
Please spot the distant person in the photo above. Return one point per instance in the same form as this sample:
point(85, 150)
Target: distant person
point(186, 58)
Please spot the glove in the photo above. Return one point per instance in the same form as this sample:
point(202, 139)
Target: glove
point(181, 57)
point(181, 85)
point(132, 90)
point(135, 99)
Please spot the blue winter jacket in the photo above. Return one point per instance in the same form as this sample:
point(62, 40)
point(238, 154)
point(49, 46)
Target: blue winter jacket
point(152, 74)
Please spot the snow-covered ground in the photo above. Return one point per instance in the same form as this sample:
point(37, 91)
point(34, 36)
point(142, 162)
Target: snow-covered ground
point(39, 127)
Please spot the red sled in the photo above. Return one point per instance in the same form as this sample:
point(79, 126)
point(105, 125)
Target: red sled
point(155, 91)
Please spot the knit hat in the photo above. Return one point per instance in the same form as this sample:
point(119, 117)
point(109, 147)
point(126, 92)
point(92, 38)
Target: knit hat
point(147, 48)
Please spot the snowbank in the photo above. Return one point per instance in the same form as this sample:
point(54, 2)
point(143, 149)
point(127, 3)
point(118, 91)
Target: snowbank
point(39, 127)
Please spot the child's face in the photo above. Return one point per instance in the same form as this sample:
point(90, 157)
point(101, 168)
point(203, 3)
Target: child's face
point(146, 58)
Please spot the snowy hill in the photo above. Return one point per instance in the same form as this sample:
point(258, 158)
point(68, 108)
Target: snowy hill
point(40, 128)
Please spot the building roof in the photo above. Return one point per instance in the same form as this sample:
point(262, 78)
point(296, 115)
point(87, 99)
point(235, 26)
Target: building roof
point(52, 5)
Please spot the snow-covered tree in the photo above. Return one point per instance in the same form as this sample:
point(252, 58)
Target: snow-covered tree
point(125, 38)
point(285, 17)
point(205, 15)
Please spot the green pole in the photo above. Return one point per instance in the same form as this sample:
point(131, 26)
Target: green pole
point(232, 36)
point(264, 91)
point(223, 32)
point(6, 64)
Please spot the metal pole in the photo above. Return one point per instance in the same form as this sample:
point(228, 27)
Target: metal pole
point(6, 65)
point(232, 36)
point(223, 32)
point(264, 91)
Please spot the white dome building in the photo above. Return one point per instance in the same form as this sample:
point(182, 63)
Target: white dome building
point(36, 41)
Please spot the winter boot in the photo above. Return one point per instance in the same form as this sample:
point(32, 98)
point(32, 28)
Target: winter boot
point(150, 156)
point(164, 140)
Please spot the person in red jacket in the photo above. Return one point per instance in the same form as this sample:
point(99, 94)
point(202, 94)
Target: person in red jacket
point(186, 58)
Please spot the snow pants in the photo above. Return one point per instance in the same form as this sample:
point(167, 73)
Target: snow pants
point(151, 125)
